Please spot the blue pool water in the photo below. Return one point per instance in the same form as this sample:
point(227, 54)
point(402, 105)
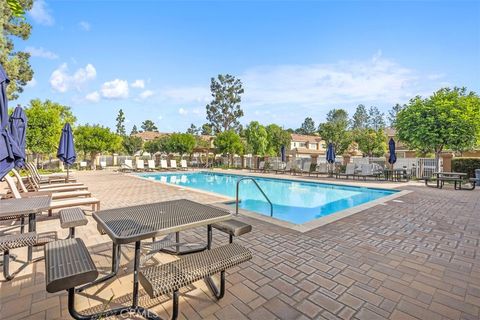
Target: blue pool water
point(293, 201)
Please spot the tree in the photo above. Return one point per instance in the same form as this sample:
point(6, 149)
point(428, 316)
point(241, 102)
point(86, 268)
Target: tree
point(193, 130)
point(307, 127)
point(207, 129)
point(45, 122)
point(132, 144)
point(372, 143)
point(449, 119)
point(95, 139)
point(16, 63)
point(335, 130)
point(229, 142)
point(121, 123)
point(256, 138)
point(376, 119)
point(276, 138)
point(360, 118)
point(149, 125)
point(224, 110)
point(134, 130)
point(393, 113)
point(181, 143)
point(157, 145)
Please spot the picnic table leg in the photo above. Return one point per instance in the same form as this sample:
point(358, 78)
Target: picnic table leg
point(32, 226)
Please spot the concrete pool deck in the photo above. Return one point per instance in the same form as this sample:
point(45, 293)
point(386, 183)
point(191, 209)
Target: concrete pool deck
point(415, 257)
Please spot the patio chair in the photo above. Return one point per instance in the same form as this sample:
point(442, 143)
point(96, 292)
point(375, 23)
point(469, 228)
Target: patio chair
point(54, 194)
point(103, 165)
point(56, 204)
point(366, 172)
point(35, 183)
point(140, 165)
point(49, 178)
point(164, 165)
point(306, 168)
point(151, 165)
point(349, 171)
point(183, 165)
point(83, 165)
point(320, 168)
point(284, 167)
point(261, 167)
point(173, 165)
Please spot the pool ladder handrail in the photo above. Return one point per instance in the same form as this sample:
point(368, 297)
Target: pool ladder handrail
point(259, 188)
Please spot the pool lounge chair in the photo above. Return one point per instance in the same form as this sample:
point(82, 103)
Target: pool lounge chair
point(183, 165)
point(36, 185)
point(56, 204)
point(284, 168)
point(83, 165)
point(50, 178)
point(54, 194)
point(103, 165)
point(163, 165)
point(173, 165)
point(151, 165)
point(349, 171)
point(261, 167)
point(320, 168)
point(366, 172)
point(140, 165)
point(306, 168)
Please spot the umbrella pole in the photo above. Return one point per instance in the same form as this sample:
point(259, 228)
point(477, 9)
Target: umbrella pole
point(67, 173)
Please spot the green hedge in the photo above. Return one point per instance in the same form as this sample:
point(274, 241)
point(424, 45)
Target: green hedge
point(467, 165)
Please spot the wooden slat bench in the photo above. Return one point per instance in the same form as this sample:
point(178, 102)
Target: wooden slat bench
point(170, 277)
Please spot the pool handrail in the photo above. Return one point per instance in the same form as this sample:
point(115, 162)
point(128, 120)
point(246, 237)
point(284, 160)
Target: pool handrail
point(259, 188)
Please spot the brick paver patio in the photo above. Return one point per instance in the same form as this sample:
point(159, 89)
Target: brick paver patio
point(411, 258)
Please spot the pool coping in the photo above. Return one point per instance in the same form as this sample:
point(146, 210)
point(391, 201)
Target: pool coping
point(304, 227)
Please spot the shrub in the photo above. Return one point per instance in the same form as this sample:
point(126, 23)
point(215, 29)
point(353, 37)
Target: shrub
point(467, 165)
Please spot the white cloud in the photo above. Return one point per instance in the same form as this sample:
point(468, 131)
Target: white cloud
point(32, 83)
point(41, 53)
point(182, 111)
point(146, 94)
point(84, 25)
point(115, 89)
point(41, 14)
point(93, 96)
point(62, 81)
point(138, 84)
point(186, 94)
point(377, 79)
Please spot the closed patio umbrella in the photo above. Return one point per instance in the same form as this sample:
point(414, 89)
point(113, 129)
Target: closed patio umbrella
point(9, 150)
point(330, 153)
point(392, 158)
point(18, 130)
point(283, 154)
point(66, 149)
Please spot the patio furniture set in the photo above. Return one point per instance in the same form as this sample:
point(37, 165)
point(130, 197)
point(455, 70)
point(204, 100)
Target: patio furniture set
point(459, 180)
point(128, 166)
point(69, 265)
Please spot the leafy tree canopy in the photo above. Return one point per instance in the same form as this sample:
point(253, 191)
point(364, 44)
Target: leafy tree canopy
point(194, 130)
point(360, 118)
point(149, 125)
point(376, 119)
point(228, 142)
point(132, 144)
point(224, 110)
point(16, 63)
point(277, 137)
point(335, 130)
point(393, 113)
point(256, 138)
point(307, 127)
point(121, 123)
point(449, 119)
point(95, 139)
point(370, 142)
point(181, 143)
point(45, 122)
point(207, 129)
point(134, 130)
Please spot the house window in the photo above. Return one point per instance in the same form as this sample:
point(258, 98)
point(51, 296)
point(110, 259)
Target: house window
point(312, 146)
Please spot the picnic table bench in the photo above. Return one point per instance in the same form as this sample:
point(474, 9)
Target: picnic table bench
point(458, 178)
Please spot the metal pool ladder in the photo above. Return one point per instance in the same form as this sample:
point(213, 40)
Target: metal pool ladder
point(238, 189)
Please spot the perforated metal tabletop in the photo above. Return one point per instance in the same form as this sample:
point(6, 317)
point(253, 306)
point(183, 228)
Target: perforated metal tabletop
point(131, 224)
point(24, 206)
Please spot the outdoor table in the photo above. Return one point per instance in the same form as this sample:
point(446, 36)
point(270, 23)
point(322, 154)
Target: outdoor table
point(137, 223)
point(457, 176)
point(19, 208)
point(394, 174)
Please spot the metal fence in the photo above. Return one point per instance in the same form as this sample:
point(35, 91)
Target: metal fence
point(417, 167)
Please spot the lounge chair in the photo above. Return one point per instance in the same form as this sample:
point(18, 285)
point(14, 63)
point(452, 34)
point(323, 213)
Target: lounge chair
point(366, 172)
point(261, 167)
point(140, 165)
point(103, 165)
point(284, 168)
point(50, 178)
point(57, 204)
point(320, 168)
point(36, 185)
point(173, 165)
point(306, 168)
point(151, 165)
point(83, 165)
point(349, 171)
point(54, 194)
point(183, 165)
point(163, 165)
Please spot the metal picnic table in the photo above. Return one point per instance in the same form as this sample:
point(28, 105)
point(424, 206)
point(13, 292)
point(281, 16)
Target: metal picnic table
point(141, 222)
point(456, 177)
point(20, 208)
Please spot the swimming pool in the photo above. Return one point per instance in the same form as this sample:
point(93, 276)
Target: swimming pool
point(293, 201)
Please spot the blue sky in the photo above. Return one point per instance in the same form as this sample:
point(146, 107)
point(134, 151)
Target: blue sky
point(154, 59)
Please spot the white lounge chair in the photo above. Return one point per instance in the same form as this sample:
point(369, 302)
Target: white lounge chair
point(151, 165)
point(103, 165)
point(163, 165)
point(183, 165)
point(349, 171)
point(173, 165)
point(140, 165)
point(83, 165)
point(321, 168)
